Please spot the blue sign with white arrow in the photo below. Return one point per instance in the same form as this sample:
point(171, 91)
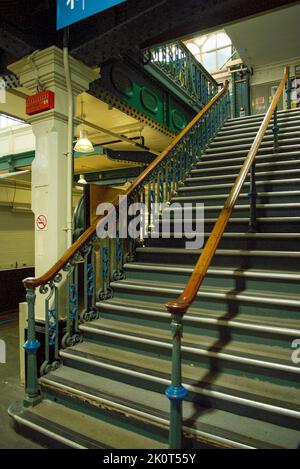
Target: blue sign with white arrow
point(72, 11)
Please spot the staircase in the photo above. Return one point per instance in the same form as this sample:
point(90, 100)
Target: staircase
point(237, 343)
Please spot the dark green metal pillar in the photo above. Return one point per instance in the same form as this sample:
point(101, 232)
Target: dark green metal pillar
point(31, 346)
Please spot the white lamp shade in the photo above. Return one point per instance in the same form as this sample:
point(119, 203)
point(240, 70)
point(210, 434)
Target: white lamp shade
point(82, 180)
point(84, 145)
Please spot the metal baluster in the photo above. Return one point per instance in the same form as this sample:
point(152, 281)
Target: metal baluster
point(105, 291)
point(288, 90)
point(51, 361)
point(131, 241)
point(275, 131)
point(89, 312)
point(253, 198)
point(169, 179)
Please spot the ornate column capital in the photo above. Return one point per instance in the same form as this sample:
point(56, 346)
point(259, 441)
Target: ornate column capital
point(47, 66)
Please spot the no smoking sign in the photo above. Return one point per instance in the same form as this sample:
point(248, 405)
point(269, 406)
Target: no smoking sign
point(41, 222)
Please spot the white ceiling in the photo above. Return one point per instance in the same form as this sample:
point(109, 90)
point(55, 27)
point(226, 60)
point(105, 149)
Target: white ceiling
point(268, 38)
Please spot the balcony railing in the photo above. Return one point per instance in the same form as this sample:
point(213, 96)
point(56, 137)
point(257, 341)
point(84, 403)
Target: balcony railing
point(182, 69)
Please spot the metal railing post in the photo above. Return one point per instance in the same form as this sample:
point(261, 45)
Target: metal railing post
point(176, 393)
point(288, 90)
point(253, 198)
point(275, 130)
point(31, 346)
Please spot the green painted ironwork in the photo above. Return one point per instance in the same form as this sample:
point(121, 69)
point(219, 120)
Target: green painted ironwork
point(31, 347)
point(183, 70)
point(140, 91)
point(103, 255)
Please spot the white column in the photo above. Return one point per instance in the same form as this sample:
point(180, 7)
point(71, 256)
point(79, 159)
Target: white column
point(50, 166)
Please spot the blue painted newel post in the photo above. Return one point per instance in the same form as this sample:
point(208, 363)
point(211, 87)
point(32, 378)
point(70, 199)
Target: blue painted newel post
point(176, 393)
point(31, 347)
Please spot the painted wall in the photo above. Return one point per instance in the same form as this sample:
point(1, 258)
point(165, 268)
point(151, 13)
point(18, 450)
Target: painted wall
point(272, 72)
point(16, 140)
point(16, 239)
point(262, 80)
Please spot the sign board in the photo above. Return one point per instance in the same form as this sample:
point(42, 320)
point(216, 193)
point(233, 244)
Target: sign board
point(40, 102)
point(72, 11)
point(41, 222)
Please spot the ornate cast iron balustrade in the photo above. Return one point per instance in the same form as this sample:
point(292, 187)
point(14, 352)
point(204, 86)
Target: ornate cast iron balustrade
point(71, 288)
point(182, 68)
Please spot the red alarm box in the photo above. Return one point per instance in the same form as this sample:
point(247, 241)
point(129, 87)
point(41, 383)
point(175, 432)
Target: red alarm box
point(40, 102)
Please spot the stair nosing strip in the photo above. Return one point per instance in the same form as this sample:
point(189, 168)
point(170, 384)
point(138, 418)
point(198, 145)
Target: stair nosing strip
point(47, 433)
point(123, 285)
point(204, 320)
point(150, 417)
point(188, 349)
point(237, 167)
point(201, 391)
point(216, 186)
point(276, 275)
point(227, 176)
point(242, 195)
point(224, 252)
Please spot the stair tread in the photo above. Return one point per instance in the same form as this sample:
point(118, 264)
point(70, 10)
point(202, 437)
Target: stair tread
point(196, 376)
point(232, 176)
point(244, 319)
point(237, 167)
point(242, 206)
point(228, 185)
point(244, 151)
point(209, 162)
point(257, 235)
point(129, 398)
point(269, 137)
point(232, 252)
point(241, 196)
point(250, 272)
point(195, 341)
point(282, 112)
point(76, 425)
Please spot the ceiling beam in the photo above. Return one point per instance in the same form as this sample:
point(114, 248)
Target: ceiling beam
point(163, 22)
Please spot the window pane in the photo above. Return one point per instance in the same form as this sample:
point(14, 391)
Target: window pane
point(209, 61)
point(223, 40)
point(222, 56)
point(193, 48)
point(200, 40)
point(210, 44)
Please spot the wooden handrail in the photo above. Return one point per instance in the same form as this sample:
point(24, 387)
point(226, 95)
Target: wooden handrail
point(59, 265)
point(184, 301)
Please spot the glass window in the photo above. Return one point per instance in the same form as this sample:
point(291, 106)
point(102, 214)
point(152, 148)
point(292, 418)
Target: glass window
point(6, 122)
point(222, 56)
point(193, 48)
point(223, 40)
point(210, 44)
point(200, 40)
point(209, 61)
point(212, 50)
